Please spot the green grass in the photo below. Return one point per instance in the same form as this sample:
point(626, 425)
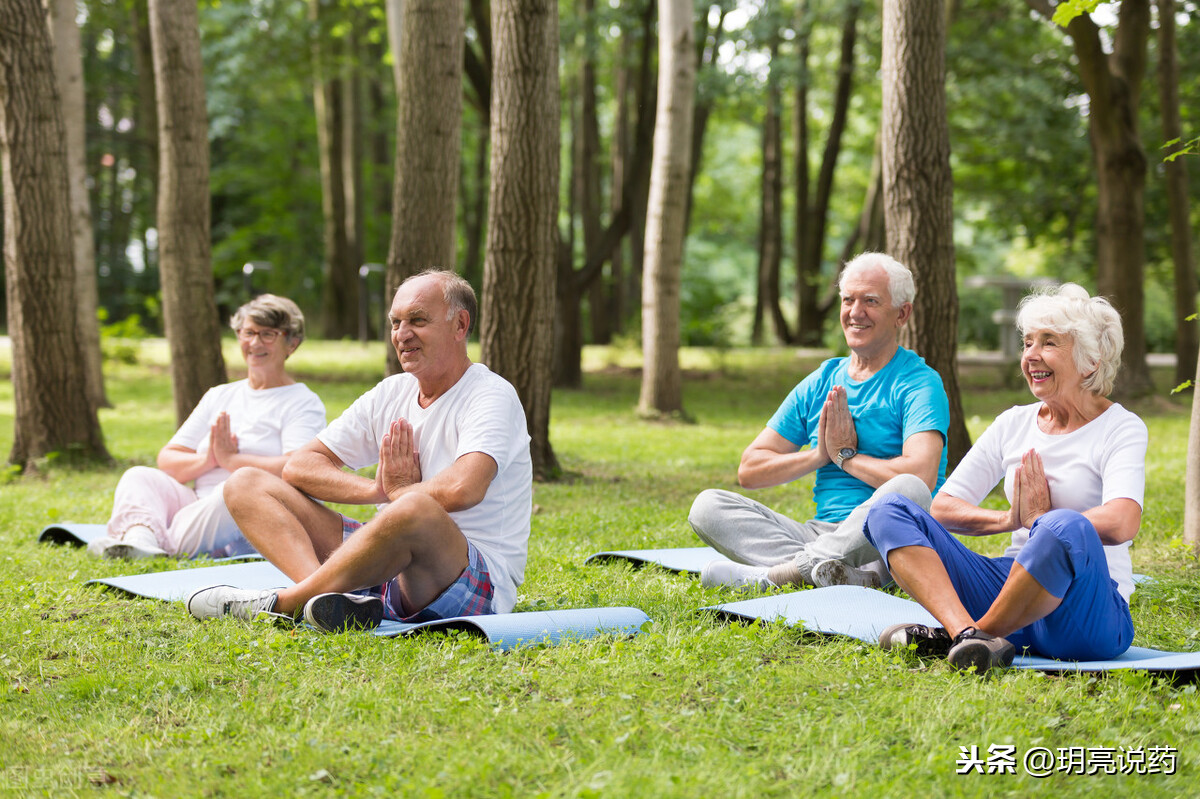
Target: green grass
point(133, 697)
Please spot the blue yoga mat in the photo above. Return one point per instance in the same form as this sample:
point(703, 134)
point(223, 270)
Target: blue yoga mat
point(502, 630)
point(76, 535)
point(690, 560)
point(80, 535)
point(863, 613)
point(683, 559)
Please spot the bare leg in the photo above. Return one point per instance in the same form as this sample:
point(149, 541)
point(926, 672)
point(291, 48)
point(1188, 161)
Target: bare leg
point(1021, 602)
point(284, 525)
point(412, 539)
point(921, 573)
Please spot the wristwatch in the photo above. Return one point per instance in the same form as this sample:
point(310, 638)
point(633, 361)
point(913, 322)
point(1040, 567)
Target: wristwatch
point(844, 454)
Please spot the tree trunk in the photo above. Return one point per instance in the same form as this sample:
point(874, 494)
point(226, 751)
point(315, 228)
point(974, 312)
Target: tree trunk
point(428, 138)
point(352, 154)
point(519, 268)
point(52, 411)
point(339, 294)
point(620, 160)
point(770, 236)
point(588, 166)
point(1187, 337)
point(918, 192)
point(1191, 492)
point(707, 49)
point(572, 283)
point(68, 67)
point(145, 120)
point(184, 242)
point(1113, 85)
point(662, 381)
point(810, 235)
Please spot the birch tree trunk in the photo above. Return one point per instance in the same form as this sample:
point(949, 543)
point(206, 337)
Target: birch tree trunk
point(428, 138)
point(522, 237)
point(662, 381)
point(53, 413)
point(68, 68)
point(918, 192)
point(184, 239)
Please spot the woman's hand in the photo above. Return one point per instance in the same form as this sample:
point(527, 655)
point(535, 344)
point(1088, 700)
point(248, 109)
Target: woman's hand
point(222, 443)
point(1031, 493)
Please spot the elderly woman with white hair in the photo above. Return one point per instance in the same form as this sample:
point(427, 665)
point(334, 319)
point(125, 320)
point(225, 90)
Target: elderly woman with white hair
point(253, 422)
point(1073, 466)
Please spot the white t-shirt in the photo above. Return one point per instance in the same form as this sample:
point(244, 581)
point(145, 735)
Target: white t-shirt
point(1101, 461)
point(480, 413)
point(266, 421)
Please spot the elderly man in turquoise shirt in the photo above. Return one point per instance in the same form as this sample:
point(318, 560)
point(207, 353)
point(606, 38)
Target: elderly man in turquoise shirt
point(868, 424)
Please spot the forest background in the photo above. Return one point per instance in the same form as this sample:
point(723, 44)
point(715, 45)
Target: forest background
point(1024, 188)
point(254, 141)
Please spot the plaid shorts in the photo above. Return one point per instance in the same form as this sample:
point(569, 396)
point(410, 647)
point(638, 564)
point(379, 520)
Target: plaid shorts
point(469, 595)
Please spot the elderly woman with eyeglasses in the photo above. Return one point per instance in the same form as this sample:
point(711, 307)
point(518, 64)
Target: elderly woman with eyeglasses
point(253, 422)
point(1073, 468)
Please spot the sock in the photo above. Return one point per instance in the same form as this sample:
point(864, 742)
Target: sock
point(789, 573)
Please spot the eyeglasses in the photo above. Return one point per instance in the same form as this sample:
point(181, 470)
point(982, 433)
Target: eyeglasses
point(266, 335)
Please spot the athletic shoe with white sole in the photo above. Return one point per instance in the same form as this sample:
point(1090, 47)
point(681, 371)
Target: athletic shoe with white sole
point(335, 613)
point(834, 572)
point(138, 542)
point(727, 574)
point(929, 641)
point(216, 601)
point(976, 648)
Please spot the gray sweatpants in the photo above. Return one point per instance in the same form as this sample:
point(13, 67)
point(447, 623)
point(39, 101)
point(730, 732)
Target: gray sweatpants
point(747, 531)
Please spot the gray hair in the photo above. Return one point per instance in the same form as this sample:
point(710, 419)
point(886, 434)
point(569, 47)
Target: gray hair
point(1092, 323)
point(457, 293)
point(270, 310)
point(900, 277)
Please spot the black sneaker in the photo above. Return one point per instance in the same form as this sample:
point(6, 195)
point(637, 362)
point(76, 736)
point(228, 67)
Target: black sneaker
point(930, 641)
point(335, 613)
point(975, 648)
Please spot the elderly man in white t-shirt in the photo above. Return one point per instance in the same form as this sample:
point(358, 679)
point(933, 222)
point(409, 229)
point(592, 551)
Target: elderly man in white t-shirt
point(454, 486)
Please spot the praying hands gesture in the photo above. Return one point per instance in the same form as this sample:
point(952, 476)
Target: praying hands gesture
point(399, 461)
point(837, 425)
point(1031, 492)
point(222, 443)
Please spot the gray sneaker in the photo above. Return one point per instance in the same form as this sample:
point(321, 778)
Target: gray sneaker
point(928, 641)
point(727, 574)
point(336, 613)
point(976, 648)
point(225, 600)
point(834, 572)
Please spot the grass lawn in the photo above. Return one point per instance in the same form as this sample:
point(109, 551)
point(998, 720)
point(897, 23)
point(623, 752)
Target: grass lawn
point(133, 697)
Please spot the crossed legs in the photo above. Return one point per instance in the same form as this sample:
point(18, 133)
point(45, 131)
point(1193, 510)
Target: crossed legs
point(412, 539)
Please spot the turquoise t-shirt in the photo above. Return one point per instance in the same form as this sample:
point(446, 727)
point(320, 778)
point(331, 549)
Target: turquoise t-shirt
point(902, 398)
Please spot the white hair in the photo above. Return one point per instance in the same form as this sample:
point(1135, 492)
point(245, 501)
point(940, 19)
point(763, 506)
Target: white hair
point(900, 277)
point(1092, 323)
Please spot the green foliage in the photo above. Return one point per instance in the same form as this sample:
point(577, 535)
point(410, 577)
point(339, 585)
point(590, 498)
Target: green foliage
point(1067, 10)
point(1186, 148)
point(104, 692)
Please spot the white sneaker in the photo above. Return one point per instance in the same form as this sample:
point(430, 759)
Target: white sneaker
point(225, 600)
point(727, 574)
point(834, 572)
point(98, 547)
point(138, 542)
